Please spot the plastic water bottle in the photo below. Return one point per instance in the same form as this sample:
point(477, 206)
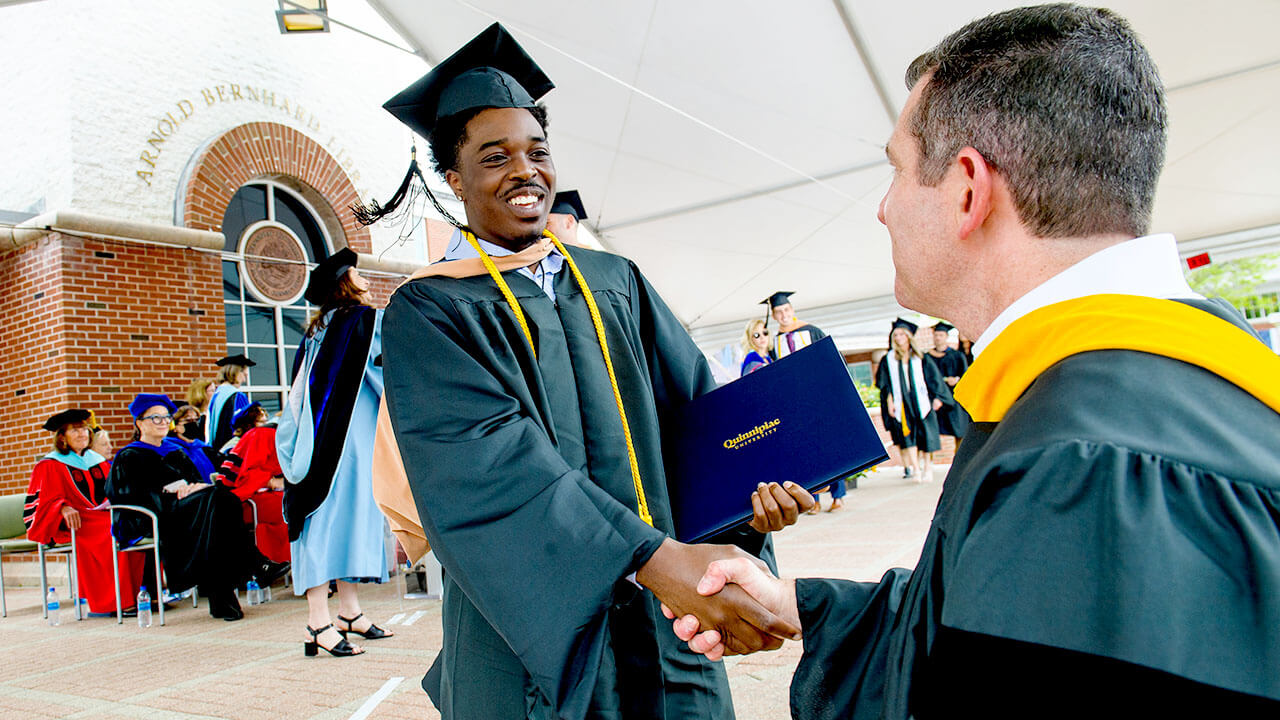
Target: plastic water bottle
point(254, 592)
point(266, 594)
point(83, 606)
point(144, 608)
point(51, 604)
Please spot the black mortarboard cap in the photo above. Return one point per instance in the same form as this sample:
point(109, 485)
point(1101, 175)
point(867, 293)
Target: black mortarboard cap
point(240, 360)
point(66, 417)
point(944, 327)
point(569, 203)
point(908, 325)
point(782, 297)
point(491, 71)
point(325, 275)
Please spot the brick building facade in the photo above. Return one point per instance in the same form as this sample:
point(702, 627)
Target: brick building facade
point(99, 310)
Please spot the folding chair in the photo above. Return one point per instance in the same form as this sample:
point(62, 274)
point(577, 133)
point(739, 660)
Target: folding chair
point(152, 543)
point(13, 537)
point(73, 573)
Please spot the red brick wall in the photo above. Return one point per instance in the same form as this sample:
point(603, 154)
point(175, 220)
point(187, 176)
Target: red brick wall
point(266, 150)
point(33, 366)
point(116, 319)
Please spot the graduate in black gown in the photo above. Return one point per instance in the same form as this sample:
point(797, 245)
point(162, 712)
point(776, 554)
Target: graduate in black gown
point(1106, 543)
point(203, 539)
point(951, 363)
point(528, 409)
point(912, 397)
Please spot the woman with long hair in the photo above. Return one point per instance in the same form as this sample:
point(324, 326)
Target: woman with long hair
point(911, 391)
point(325, 447)
point(67, 487)
point(755, 342)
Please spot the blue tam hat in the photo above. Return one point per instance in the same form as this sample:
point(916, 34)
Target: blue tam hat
point(143, 401)
point(238, 415)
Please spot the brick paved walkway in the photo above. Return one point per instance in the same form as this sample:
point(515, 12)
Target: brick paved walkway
point(199, 667)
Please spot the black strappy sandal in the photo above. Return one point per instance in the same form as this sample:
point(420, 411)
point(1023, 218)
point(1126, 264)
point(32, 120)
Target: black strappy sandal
point(342, 648)
point(373, 633)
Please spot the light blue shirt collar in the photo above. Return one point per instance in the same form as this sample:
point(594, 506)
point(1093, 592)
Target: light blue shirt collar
point(543, 275)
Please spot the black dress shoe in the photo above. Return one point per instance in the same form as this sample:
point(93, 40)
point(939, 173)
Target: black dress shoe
point(267, 573)
point(223, 604)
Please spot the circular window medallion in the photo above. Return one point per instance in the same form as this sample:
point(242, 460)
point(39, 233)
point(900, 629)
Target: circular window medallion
point(275, 264)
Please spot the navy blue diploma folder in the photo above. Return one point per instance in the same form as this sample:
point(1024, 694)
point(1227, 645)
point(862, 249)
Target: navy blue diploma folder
point(797, 419)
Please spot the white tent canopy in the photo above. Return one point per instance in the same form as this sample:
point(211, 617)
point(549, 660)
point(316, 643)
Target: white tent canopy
point(734, 149)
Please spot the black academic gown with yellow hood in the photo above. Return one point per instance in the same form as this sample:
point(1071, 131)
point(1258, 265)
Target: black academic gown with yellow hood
point(1109, 548)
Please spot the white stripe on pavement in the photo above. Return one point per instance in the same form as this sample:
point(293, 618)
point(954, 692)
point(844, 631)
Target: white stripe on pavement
point(376, 698)
point(395, 618)
point(414, 617)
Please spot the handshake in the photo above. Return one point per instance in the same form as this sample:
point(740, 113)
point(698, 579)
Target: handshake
point(722, 600)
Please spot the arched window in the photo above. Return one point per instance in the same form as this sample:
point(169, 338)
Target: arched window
point(271, 230)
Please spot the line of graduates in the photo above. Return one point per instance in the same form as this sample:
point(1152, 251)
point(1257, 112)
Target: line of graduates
point(916, 402)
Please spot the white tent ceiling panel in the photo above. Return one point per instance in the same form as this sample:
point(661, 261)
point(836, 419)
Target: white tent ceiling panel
point(717, 222)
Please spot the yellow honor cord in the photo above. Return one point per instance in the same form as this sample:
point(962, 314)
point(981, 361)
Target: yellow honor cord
point(641, 503)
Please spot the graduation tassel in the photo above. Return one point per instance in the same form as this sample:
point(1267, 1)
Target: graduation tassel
point(404, 198)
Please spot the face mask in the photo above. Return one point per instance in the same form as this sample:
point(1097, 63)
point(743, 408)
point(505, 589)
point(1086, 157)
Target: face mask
point(190, 429)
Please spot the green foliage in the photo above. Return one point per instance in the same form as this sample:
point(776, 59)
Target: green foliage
point(1233, 280)
point(869, 394)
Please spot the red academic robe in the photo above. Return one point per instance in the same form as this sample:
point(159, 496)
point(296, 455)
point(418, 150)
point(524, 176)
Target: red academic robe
point(54, 485)
point(250, 466)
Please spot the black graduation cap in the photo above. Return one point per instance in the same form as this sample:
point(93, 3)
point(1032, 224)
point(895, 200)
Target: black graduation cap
point(906, 324)
point(235, 360)
point(569, 203)
point(325, 275)
point(782, 297)
point(944, 327)
point(491, 71)
point(66, 417)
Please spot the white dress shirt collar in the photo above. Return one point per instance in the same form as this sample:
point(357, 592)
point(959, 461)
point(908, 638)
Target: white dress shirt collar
point(1147, 266)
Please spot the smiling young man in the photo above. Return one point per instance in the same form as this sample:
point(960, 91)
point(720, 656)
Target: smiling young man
point(1107, 542)
point(528, 408)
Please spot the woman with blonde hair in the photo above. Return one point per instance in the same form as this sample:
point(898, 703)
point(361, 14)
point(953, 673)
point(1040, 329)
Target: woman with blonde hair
point(755, 342)
point(911, 391)
point(226, 399)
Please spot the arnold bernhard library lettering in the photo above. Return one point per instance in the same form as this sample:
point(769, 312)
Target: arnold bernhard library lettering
point(752, 435)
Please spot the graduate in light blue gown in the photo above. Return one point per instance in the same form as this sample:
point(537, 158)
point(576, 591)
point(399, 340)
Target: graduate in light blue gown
point(325, 446)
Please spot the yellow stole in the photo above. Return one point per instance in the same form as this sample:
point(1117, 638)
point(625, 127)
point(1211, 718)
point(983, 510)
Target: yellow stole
point(390, 483)
point(1038, 340)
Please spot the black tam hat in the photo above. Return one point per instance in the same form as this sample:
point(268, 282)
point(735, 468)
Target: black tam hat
point(240, 360)
point(906, 325)
point(943, 327)
point(326, 274)
point(490, 71)
point(569, 203)
point(65, 418)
